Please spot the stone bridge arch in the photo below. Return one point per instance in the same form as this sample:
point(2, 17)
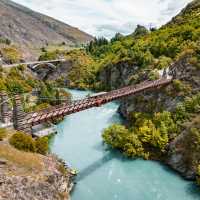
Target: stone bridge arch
point(38, 66)
point(43, 70)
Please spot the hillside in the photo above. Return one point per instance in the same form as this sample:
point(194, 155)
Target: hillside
point(162, 124)
point(31, 30)
point(28, 175)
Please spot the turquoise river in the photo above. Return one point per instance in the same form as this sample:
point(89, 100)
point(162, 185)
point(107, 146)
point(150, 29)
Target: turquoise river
point(105, 174)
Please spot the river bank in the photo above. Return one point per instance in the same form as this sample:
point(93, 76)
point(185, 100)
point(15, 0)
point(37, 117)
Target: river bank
point(106, 174)
point(25, 175)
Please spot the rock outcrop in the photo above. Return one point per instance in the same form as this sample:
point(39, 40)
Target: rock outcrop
point(186, 82)
point(184, 155)
point(32, 176)
point(116, 76)
point(188, 77)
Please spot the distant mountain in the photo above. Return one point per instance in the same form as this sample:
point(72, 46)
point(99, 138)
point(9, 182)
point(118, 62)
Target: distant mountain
point(31, 30)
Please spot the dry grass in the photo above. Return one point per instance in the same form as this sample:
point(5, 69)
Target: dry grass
point(29, 161)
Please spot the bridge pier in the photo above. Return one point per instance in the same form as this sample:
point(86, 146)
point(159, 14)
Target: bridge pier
point(19, 117)
point(5, 116)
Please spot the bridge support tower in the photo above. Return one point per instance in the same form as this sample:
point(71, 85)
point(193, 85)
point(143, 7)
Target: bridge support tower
point(19, 117)
point(5, 115)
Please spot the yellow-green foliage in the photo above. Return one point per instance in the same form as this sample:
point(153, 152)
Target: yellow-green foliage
point(146, 132)
point(153, 136)
point(51, 95)
point(181, 88)
point(24, 142)
point(16, 82)
point(41, 145)
point(11, 54)
point(163, 62)
point(121, 138)
point(154, 75)
point(50, 55)
point(83, 72)
point(185, 110)
point(3, 133)
point(156, 49)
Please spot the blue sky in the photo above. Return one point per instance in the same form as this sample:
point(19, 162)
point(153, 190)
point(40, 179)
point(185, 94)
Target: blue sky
point(106, 17)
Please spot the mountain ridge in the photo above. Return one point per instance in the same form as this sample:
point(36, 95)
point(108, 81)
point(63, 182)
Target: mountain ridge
point(31, 30)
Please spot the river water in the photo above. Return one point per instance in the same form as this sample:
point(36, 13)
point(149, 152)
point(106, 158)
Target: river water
point(105, 174)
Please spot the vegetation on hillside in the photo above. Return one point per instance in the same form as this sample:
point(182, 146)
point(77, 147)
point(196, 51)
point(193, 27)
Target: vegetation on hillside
point(148, 134)
point(3, 134)
point(20, 81)
point(83, 68)
point(150, 50)
point(83, 73)
point(24, 142)
point(151, 132)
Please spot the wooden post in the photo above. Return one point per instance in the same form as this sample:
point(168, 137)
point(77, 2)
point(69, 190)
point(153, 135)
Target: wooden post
point(19, 117)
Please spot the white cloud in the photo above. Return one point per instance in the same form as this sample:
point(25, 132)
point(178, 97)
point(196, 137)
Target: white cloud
point(106, 17)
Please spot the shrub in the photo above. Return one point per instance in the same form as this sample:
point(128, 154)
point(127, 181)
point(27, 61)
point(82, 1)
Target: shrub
point(48, 55)
point(178, 85)
point(114, 135)
point(23, 142)
point(154, 75)
point(150, 135)
point(11, 54)
point(117, 136)
point(163, 62)
point(2, 133)
point(41, 145)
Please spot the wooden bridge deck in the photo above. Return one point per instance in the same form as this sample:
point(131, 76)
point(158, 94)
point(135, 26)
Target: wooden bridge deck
point(80, 105)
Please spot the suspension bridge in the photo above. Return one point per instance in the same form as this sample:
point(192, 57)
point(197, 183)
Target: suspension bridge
point(25, 121)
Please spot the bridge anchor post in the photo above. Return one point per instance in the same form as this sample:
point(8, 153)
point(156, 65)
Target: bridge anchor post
point(19, 117)
point(4, 109)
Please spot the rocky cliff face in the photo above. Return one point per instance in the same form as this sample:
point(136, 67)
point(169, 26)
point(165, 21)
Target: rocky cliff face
point(51, 74)
point(183, 155)
point(186, 82)
point(186, 76)
point(31, 176)
point(116, 76)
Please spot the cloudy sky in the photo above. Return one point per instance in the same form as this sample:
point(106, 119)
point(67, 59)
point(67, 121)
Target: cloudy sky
point(106, 17)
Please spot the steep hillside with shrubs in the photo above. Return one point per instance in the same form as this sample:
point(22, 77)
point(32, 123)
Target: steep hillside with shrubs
point(26, 172)
point(161, 121)
point(162, 124)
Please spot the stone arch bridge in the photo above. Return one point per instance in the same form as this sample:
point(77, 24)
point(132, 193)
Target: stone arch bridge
point(25, 121)
point(35, 64)
point(41, 68)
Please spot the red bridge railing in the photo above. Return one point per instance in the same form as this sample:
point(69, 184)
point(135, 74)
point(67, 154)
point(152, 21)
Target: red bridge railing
point(77, 106)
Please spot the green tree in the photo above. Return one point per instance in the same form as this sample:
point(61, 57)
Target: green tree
point(42, 145)
point(23, 142)
point(117, 136)
point(114, 135)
